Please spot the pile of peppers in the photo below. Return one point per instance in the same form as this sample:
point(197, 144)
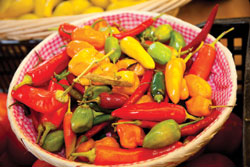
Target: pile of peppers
point(117, 96)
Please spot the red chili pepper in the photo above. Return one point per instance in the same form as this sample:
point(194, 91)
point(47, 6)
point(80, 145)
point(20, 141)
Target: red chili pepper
point(95, 129)
point(65, 30)
point(144, 86)
point(138, 29)
point(111, 100)
point(195, 128)
point(153, 111)
point(44, 71)
point(106, 155)
point(69, 136)
point(204, 32)
point(52, 121)
point(205, 59)
point(77, 86)
point(39, 99)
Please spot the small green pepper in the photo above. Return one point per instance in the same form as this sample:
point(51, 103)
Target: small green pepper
point(93, 91)
point(82, 119)
point(148, 34)
point(163, 32)
point(158, 86)
point(54, 141)
point(177, 40)
point(113, 43)
point(164, 133)
point(159, 52)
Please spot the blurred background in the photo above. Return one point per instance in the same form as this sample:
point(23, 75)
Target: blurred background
point(25, 23)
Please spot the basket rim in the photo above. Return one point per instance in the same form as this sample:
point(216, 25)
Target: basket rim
point(192, 146)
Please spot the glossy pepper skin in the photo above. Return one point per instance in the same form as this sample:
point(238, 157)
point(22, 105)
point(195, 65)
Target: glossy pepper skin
point(54, 141)
point(134, 49)
point(112, 100)
point(39, 99)
point(82, 119)
point(152, 111)
point(113, 43)
point(163, 32)
point(159, 52)
point(130, 135)
point(177, 40)
point(75, 46)
point(199, 106)
point(105, 155)
point(174, 72)
point(198, 86)
point(162, 134)
point(93, 92)
point(43, 72)
point(65, 30)
point(93, 37)
point(157, 87)
point(148, 34)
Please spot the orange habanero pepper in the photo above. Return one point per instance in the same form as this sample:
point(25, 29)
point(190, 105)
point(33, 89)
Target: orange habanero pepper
point(73, 47)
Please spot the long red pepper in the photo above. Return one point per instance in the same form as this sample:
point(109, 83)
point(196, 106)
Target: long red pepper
point(205, 59)
point(52, 121)
point(144, 86)
point(138, 29)
point(195, 128)
point(106, 155)
point(39, 99)
point(153, 111)
point(95, 129)
point(65, 30)
point(77, 86)
point(45, 70)
point(204, 32)
point(69, 136)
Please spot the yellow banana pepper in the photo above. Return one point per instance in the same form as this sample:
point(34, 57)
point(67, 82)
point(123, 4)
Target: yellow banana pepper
point(184, 90)
point(174, 72)
point(134, 49)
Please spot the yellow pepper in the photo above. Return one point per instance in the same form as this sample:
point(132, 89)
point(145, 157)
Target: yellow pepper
point(198, 86)
point(82, 60)
point(134, 49)
point(130, 77)
point(199, 106)
point(73, 47)
point(127, 62)
point(184, 90)
point(173, 78)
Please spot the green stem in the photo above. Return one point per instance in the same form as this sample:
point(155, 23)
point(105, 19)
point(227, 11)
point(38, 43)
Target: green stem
point(192, 53)
point(76, 80)
point(48, 127)
point(188, 116)
point(136, 122)
point(189, 123)
point(221, 106)
point(40, 130)
point(89, 154)
point(156, 17)
point(220, 36)
point(27, 80)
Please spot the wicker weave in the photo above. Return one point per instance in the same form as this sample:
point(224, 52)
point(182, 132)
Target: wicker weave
point(224, 68)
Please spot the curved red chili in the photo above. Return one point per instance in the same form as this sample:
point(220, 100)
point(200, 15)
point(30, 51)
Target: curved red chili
point(65, 30)
point(153, 111)
point(112, 100)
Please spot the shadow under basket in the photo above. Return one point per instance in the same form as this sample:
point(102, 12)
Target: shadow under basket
point(238, 42)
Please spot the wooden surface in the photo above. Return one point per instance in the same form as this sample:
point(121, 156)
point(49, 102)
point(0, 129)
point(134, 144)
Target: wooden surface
point(197, 11)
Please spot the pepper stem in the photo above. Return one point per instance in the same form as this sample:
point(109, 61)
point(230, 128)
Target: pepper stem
point(89, 154)
point(158, 98)
point(76, 80)
point(48, 127)
point(189, 123)
point(188, 116)
point(27, 80)
point(156, 17)
point(192, 53)
point(220, 36)
point(136, 122)
point(40, 130)
point(220, 106)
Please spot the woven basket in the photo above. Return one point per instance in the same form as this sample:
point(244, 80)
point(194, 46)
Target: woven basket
point(223, 80)
point(40, 28)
